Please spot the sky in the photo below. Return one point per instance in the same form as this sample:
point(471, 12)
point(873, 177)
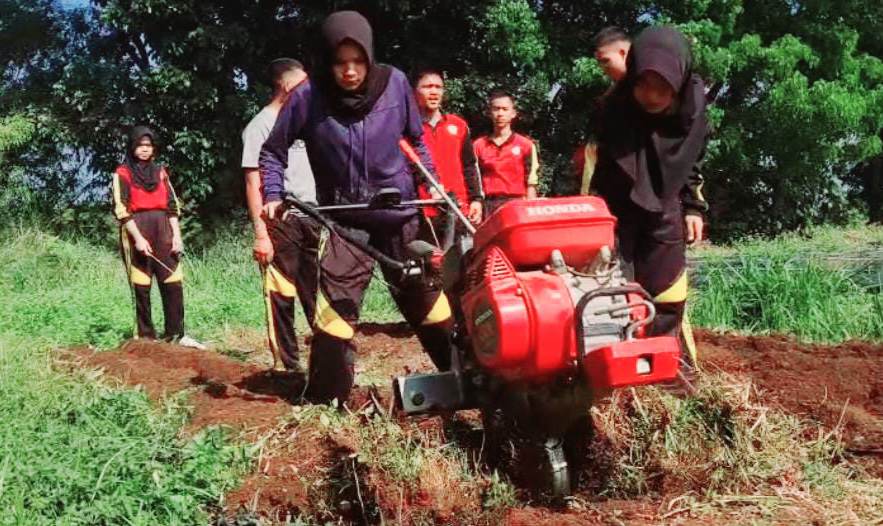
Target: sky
point(72, 4)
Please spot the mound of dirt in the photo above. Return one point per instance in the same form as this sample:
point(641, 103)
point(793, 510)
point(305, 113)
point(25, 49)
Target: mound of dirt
point(835, 385)
point(839, 386)
point(249, 397)
point(225, 391)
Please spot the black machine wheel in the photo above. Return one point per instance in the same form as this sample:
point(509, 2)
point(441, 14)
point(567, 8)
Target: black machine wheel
point(556, 470)
point(541, 467)
point(537, 464)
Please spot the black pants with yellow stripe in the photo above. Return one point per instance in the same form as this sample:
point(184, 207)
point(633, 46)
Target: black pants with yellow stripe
point(652, 247)
point(291, 275)
point(344, 274)
point(166, 267)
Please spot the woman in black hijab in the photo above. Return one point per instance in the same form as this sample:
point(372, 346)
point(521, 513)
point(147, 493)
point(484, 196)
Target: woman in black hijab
point(352, 115)
point(147, 208)
point(145, 172)
point(350, 96)
point(653, 135)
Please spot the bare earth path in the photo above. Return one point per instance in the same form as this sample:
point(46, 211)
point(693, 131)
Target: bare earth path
point(832, 385)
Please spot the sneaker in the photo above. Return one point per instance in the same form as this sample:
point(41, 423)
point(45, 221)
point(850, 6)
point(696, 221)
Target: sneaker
point(187, 341)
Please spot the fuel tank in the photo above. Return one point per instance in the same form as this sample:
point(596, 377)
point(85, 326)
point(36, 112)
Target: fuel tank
point(527, 231)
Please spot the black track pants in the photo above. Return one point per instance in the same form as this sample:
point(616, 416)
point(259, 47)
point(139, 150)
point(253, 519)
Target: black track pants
point(652, 247)
point(344, 274)
point(291, 275)
point(155, 227)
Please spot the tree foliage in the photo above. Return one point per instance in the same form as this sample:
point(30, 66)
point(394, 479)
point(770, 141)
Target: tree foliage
point(795, 86)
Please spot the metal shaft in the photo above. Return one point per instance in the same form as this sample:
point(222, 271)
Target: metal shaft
point(367, 206)
point(414, 158)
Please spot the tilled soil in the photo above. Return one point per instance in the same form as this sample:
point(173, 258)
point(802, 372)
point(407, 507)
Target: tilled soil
point(838, 386)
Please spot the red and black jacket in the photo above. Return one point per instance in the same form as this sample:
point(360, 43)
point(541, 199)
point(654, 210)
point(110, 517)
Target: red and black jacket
point(129, 197)
point(509, 168)
point(450, 145)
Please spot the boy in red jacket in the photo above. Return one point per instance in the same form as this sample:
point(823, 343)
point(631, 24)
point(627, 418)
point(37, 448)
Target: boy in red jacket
point(509, 162)
point(450, 143)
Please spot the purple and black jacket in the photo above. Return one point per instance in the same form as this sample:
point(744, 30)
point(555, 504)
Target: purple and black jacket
point(351, 158)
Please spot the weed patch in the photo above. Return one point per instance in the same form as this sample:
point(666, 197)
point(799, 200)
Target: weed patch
point(777, 288)
point(721, 444)
point(75, 451)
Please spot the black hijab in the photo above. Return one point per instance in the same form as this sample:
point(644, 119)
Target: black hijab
point(144, 174)
point(657, 151)
point(338, 27)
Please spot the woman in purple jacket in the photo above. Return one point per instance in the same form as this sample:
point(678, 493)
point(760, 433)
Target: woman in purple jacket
point(352, 115)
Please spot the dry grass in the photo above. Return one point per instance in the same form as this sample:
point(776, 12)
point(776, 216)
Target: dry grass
point(379, 471)
point(726, 453)
point(722, 457)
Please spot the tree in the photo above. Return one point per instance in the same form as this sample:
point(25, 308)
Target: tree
point(797, 106)
point(796, 87)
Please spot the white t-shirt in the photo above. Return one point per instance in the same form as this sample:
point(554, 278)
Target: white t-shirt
point(299, 181)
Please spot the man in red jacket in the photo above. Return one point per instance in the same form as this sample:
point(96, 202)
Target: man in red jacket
point(450, 143)
point(509, 162)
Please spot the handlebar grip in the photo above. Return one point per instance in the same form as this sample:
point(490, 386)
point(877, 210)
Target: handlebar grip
point(409, 151)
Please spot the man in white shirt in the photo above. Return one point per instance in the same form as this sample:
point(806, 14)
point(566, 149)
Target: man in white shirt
point(285, 246)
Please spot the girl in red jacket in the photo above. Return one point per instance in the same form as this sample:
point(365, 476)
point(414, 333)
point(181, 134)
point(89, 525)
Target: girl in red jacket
point(147, 208)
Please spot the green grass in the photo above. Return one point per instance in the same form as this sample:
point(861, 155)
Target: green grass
point(76, 451)
point(820, 239)
point(797, 286)
point(76, 293)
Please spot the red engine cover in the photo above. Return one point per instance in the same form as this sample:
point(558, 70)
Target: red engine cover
point(528, 231)
point(521, 323)
point(521, 320)
point(634, 362)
